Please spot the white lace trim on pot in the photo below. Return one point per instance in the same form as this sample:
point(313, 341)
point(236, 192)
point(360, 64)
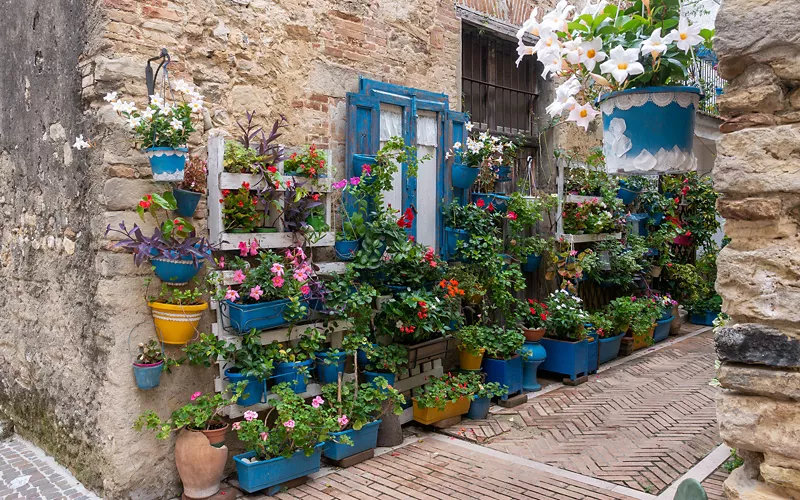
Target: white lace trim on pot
point(663, 162)
point(166, 152)
point(660, 99)
point(173, 261)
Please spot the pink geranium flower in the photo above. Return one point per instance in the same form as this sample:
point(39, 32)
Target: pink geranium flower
point(256, 292)
point(250, 415)
point(196, 395)
point(231, 295)
point(243, 249)
point(340, 184)
point(254, 247)
point(343, 420)
point(264, 436)
point(238, 277)
point(236, 426)
point(366, 169)
point(222, 262)
point(305, 289)
point(277, 269)
point(277, 281)
point(512, 215)
point(289, 424)
point(355, 180)
point(317, 401)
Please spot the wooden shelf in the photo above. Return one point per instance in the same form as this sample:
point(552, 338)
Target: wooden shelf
point(230, 241)
point(574, 198)
point(588, 238)
point(228, 180)
point(280, 334)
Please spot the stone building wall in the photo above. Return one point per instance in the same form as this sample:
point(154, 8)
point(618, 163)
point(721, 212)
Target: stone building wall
point(756, 172)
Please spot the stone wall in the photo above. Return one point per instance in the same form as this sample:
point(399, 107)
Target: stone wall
point(757, 174)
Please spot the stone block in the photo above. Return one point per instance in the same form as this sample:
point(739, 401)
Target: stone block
point(760, 380)
point(749, 208)
point(114, 70)
point(125, 194)
point(757, 423)
point(757, 345)
point(741, 28)
point(780, 471)
point(739, 487)
point(756, 89)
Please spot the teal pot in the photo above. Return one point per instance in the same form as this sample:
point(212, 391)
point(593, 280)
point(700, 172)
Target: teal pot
point(662, 329)
point(705, 318)
point(186, 201)
point(167, 164)
point(256, 476)
point(453, 236)
point(329, 366)
point(358, 166)
point(479, 408)
point(533, 354)
point(175, 272)
point(369, 377)
point(346, 249)
point(531, 263)
point(261, 315)
point(253, 392)
point(366, 438)
point(293, 372)
point(148, 376)
point(464, 176)
point(608, 348)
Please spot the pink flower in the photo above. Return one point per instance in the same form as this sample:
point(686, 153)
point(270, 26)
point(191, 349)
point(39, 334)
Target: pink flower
point(512, 215)
point(366, 169)
point(343, 420)
point(250, 415)
point(238, 277)
point(305, 289)
point(277, 269)
point(573, 253)
point(264, 436)
point(355, 180)
point(300, 276)
point(317, 401)
point(196, 395)
point(222, 262)
point(243, 249)
point(256, 292)
point(633, 299)
point(231, 295)
point(254, 247)
point(277, 281)
point(340, 184)
point(236, 426)
point(289, 424)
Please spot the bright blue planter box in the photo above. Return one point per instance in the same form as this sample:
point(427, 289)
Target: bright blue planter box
point(608, 348)
point(464, 176)
point(148, 376)
point(531, 264)
point(479, 408)
point(290, 372)
point(254, 390)
point(628, 196)
point(662, 329)
point(175, 272)
point(592, 352)
point(505, 372)
point(649, 130)
point(499, 201)
point(328, 372)
point(566, 358)
point(167, 164)
point(259, 475)
point(346, 250)
point(261, 315)
point(363, 439)
point(370, 376)
point(186, 200)
point(453, 237)
point(706, 319)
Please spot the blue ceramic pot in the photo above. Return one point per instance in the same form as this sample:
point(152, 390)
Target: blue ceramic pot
point(464, 176)
point(366, 438)
point(649, 130)
point(453, 236)
point(627, 196)
point(358, 166)
point(292, 372)
point(174, 271)
point(261, 315)
point(276, 471)
point(662, 329)
point(479, 408)
point(329, 366)
point(707, 318)
point(167, 164)
point(505, 372)
point(186, 200)
point(533, 354)
point(503, 174)
point(499, 201)
point(608, 348)
point(566, 358)
point(254, 390)
point(638, 224)
point(346, 249)
point(370, 376)
point(531, 263)
point(148, 376)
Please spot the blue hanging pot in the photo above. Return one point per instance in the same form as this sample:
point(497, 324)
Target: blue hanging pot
point(531, 263)
point(167, 164)
point(346, 249)
point(464, 176)
point(148, 375)
point(186, 200)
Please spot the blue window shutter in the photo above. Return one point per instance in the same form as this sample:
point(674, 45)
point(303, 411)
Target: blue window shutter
point(455, 131)
point(363, 127)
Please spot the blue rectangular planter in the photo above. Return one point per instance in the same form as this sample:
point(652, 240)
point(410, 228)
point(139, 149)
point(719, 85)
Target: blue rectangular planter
point(257, 476)
point(592, 353)
point(505, 372)
point(706, 319)
point(662, 329)
point(609, 348)
point(566, 358)
point(638, 224)
point(262, 315)
point(363, 439)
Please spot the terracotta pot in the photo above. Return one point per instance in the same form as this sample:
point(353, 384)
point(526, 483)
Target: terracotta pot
point(216, 436)
point(200, 465)
point(533, 334)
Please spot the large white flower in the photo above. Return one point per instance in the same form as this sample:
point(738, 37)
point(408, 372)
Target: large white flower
point(530, 26)
point(622, 62)
point(582, 115)
point(548, 44)
point(593, 53)
point(457, 145)
point(594, 9)
point(134, 121)
point(558, 18)
point(196, 105)
point(573, 50)
point(564, 100)
point(182, 87)
point(522, 51)
point(176, 124)
point(686, 36)
point(148, 113)
point(469, 126)
point(157, 100)
point(654, 45)
point(552, 63)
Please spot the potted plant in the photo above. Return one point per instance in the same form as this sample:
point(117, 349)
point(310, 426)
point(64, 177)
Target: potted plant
point(291, 448)
point(644, 313)
point(174, 250)
point(329, 363)
point(479, 160)
point(383, 361)
point(501, 363)
point(187, 192)
point(481, 397)
point(310, 163)
point(163, 128)
point(149, 363)
point(442, 397)
point(200, 452)
point(316, 217)
point(358, 411)
point(411, 266)
point(573, 267)
point(565, 340)
point(642, 54)
point(176, 313)
point(705, 311)
point(524, 212)
point(294, 361)
point(471, 346)
point(240, 210)
point(609, 338)
point(534, 320)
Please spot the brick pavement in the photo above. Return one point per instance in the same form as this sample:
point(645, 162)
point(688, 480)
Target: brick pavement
point(641, 424)
point(713, 484)
point(27, 473)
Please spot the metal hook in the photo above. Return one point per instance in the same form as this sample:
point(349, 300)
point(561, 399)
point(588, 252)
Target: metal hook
point(150, 77)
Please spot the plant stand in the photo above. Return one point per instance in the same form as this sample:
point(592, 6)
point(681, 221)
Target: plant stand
point(513, 401)
point(352, 459)
point(533, 356)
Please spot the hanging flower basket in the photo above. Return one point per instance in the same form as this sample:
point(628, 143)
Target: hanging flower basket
point(167, 164)
point(186, 201)
point(176, 324)
point(346, 249)
point(148, 375)
point(464, 176)
point(649, 130)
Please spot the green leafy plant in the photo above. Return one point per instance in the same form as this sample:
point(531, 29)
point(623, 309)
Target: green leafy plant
point(733, 462)
point(448, 388)
point(176, 296)
point(240, 159)
point(473, 338)
point(471, 218)
point(573, 266)
point(309, 342)
point(392, 358)
point(248, 357)
point(410, 264)
point(412, 317)
point(622, 310)
point(240, 209)
point(535, 314)
point(194, 176)
point(603, 324)
point(310, 163)
point(502, 343)
point(566, 318)
point(489, 390)
point(152, 352)
point(359, 405)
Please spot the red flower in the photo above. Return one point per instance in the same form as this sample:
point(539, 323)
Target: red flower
point(490, 208)
point(480, 203)
point(176, 221)
point(293, 156)
point(677, 200)
point(246, 185)
point(241, 204)
point(180, 227)
point(146, 204)
point(272, 169)
point(315, 196)
point(221, 200)
point(226, 192)
point(512, 215)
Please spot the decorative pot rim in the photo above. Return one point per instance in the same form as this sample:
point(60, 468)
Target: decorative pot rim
point(161, 306)
point(464, 165)
point(658, 89)
point(370, 424)
point(148, 365)
point(167, 148)
point(227, 426)
point(187, 191)
point(295, 363)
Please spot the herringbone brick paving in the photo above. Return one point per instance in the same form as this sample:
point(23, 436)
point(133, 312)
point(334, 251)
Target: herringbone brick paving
point(713, 484)
point(641, 424)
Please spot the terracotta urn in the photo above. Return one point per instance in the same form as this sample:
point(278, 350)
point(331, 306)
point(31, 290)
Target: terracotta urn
point(216, 436)
point(200, 465)
point(533, 334)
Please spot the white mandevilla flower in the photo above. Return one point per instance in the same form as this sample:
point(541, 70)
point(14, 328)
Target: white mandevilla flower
point(134, 121)
point(548, 44)
point(182, 87)
point(166, 109)
point(530, 26)
point(582, 115)
point(564, 100)
point(558, 18)
point(686, 36)
point(593, 9)
point(593, 53)
point(148, 113)
point(573, 50)
point(448, 155)
point(457, 145)
point(469, 126)
point(196, 106)
point(156, 100)
point(621, 63)
point(80, 143)
point(110, 97)
point(176, 124)
point(522, 51)
point(552, 63)
point(654, 45)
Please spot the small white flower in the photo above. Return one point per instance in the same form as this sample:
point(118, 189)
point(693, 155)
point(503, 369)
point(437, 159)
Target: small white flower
point(182, 87)
point(156, 99)
point(127, 107)
point(148, 113)
point(134, 121)
point(196, 106)
point(447, 155)
point(582, 115)
point(548, 44)
point(522, 51)
point(558, 18)
point(530, 26)
point(622, 62)
point(176, 124)
point(469, 126)
point(110, 97)
point(686, 36)
point(594, 9)
point(564, 100)
point(552, 63)
point(592, 53)
point(457, 145)
point(166, 109)
point(80, 143)
point(654, 45)
point(573, 50)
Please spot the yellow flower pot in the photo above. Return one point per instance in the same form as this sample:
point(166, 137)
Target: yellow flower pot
point(176, 324)
point(642, 341)
point(468, 361)
point(429, 416)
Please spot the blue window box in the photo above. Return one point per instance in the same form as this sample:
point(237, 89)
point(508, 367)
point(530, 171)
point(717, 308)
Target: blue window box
point(363, 439)
point(275, 471)
point(329, 366)
point(292, 372)
point(261, 315)
point(608, 348)
point(505, 372)
point(253, 391)
point(707, 318)
point(566, 358)
point(592, 353)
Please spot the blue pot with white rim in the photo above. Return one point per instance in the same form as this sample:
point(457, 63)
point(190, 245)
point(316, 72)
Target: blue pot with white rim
point(167, 164)
point(346, 249)
point(649, 130)
point(175, 271)
point(464, 176)
point(186, 201)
